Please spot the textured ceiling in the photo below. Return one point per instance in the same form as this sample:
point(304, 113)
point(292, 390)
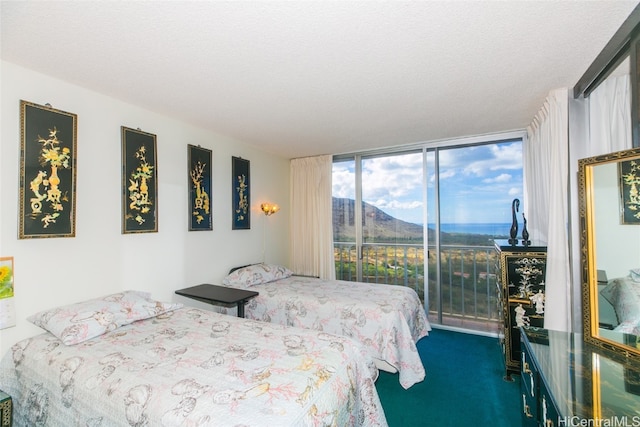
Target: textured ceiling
point(319, 77)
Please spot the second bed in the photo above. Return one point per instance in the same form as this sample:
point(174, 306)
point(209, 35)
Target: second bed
point(388, 319)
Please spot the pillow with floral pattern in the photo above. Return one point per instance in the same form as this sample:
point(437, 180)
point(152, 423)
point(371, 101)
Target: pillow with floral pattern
point(75, 323)
point(256, 274)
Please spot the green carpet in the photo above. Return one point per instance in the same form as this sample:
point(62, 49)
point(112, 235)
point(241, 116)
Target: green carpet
point(464, 385)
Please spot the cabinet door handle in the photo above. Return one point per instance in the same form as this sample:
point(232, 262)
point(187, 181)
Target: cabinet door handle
point(525, 407)
point(525, 368)
point(548, 423)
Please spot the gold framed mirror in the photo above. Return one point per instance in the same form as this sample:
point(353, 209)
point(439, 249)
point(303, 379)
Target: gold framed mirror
point(609, 202)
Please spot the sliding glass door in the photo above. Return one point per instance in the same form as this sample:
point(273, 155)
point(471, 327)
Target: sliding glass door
point(469, 206)
point(378, 217)
point(462, 193)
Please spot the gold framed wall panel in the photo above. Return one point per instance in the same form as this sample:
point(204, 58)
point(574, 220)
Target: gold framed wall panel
point(200, 196)
point(139, 182)
point(48, 145)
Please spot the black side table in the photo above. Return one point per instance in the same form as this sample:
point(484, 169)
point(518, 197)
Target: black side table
point(220, 294)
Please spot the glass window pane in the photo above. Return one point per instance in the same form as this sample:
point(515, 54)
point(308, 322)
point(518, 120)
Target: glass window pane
point(392, 216)
point(392, 196)
point(344, 236)
point(477, 185)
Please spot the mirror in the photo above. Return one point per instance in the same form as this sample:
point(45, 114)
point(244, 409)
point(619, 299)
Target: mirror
point(615, 389)
point(609, 198)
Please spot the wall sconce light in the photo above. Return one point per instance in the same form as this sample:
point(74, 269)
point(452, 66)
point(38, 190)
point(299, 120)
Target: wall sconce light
point(269, 209)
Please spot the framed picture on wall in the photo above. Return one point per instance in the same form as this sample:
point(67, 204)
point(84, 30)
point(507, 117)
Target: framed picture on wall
point(139, 182)
point(7, 306)
point(6, 277)
point(47, 172)
point(629, 176)
point(241, 190)
point(199, 165)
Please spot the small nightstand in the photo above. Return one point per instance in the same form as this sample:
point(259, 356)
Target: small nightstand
point(6, 410)
point(221, 294)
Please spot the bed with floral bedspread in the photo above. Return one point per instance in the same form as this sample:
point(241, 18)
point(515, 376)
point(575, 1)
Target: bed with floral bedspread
point(387, 319)
point(186, 367)
point(624, 295)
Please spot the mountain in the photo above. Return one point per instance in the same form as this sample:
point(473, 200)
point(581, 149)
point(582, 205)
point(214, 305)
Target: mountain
point(379, 226)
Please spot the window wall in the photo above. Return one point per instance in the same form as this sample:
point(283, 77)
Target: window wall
point(427, 217)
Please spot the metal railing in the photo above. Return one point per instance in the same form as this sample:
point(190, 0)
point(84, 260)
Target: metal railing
point(468, 291)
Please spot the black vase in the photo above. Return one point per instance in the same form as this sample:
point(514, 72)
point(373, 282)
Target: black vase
point(525, 232)
point(515, 206)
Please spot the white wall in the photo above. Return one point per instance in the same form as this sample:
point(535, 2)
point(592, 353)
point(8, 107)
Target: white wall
point(616, 244)
point(100, 260)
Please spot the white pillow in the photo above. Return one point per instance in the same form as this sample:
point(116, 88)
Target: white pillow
point(75, 323)
point(256, 274)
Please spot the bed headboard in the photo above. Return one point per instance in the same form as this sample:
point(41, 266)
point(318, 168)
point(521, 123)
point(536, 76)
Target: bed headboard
point(242, 266)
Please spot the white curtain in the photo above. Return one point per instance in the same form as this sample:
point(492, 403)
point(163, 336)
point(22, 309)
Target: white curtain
point(546, 169)
point(311, 217)
point(609, 117)
point(600, 124)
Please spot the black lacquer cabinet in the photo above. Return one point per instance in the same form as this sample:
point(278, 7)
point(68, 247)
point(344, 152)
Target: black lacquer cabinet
point(520, 273)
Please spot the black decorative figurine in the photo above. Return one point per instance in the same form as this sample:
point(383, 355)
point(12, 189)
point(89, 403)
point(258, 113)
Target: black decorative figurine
point(515, 206)
point(525, 233)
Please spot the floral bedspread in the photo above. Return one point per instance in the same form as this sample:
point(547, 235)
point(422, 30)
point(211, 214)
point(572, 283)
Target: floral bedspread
point(389, 320)
point(624, 294)
point(193, 368)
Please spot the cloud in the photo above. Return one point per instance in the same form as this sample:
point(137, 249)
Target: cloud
point(478, 160)
point(473, 180)
point(343, 181)
point(503, 177)
point(515, 191)
point(396, 205)
point(393, 177)
point(446, 174)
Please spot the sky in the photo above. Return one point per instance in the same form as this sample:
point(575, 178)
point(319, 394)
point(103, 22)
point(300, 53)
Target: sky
point(477, 183)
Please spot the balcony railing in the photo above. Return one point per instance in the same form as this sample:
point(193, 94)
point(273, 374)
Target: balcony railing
point(468, 291)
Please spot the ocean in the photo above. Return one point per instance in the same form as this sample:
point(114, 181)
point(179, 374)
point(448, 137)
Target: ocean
point(492, 229)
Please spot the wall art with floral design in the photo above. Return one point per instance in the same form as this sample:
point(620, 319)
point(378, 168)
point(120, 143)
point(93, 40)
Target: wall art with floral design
point(629, 174)
point(199, 164)
point(139, 182)
point(241, 200)
point(47, 172)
